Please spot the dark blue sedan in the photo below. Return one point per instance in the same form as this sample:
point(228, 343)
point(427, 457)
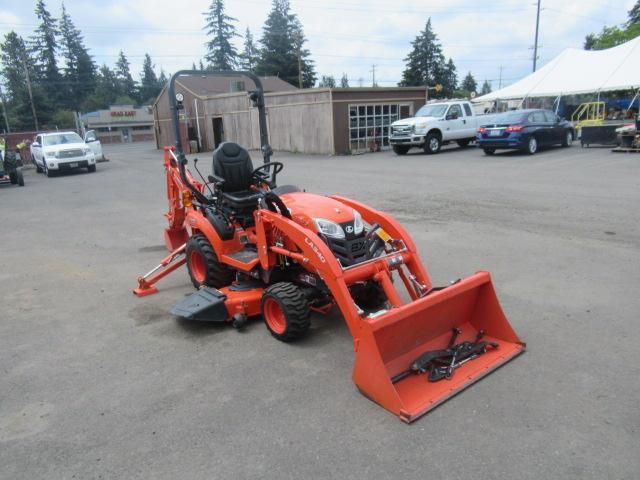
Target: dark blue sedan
point(526, 130)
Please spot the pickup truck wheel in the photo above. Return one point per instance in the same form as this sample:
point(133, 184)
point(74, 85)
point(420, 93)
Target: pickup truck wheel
point(432, 144)
point(463, 143)
point(91, 168)
point(400, 149)
point(489, 151)
point(38, 167)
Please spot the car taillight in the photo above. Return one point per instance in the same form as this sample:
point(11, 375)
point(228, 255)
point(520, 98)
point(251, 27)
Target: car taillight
point(513, 128)
point(481, 130)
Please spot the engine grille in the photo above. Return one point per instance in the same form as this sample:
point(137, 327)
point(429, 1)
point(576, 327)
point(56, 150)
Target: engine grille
point(70, 153)
point(401, 130)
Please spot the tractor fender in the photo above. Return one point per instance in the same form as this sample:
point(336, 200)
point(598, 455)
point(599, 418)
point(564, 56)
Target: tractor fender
point(197, 222)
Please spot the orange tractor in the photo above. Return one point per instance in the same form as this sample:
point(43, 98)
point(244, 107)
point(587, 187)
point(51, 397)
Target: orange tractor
point(253, 248)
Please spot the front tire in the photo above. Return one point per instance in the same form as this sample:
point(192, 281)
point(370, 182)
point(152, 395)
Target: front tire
point(20, 178)
point(285, 310)
point(532, 146)
point(568, 139)
point(38, 167)
point(203, 264)
point(489, 151)
point(400, 149)
point(91, 168)
point(432, 144)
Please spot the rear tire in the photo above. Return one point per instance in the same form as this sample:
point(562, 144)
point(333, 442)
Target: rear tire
point(20, 178)
point(432, 143)
point(91, 168)
point(489, 151)
point(532, 146)
point(13, 178)
point(203, 264)
point(285, 310)
point(400, 149)
point(568, 139)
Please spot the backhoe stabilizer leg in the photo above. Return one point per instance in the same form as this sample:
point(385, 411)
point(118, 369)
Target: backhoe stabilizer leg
point(146, 283)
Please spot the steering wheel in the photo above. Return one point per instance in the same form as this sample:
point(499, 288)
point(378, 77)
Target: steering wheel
point(277, 168)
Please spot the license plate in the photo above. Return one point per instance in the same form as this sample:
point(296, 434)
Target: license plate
point(73, 165)
point(495, 133)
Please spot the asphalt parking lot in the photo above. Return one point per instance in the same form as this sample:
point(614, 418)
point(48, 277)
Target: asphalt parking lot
point(96, 383)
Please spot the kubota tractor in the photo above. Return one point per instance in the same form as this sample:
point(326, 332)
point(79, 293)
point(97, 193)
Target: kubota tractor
point(253, 248)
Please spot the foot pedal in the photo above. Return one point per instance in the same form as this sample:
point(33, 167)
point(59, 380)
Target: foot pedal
point(207, 304)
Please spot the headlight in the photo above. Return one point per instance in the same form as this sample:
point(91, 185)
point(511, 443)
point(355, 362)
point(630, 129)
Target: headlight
point(358, 224)
point(329, 228)
point(86, 150)
point(420, 128)
point(50, 154)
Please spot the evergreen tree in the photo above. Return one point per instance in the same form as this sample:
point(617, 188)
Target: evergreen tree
point(201, 66)
point(79, 69)
point(486, 88)
point(449, 80)
point(43, 45)
point(162, 78)
point(469, 83)
point(193, 66)
point(344, 81)
point(327, 81)
point(106, 91)
point(425, 63)
point(15, 58)
point(250, 54)
point(221, 53)
point(283, 45)
point(126, 84)
point(634, 14)
point(149, 85)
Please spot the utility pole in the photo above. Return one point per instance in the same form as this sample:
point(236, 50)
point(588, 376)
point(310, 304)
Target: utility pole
point(500, 79)
point(33, 107)
point(373, 71)
point(299, 45)
point(4, 110)
point(535, 45)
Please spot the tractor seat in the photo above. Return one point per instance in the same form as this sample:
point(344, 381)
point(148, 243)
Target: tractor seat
point(233, 163)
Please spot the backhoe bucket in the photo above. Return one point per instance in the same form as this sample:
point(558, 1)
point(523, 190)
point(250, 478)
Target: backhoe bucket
point(391, 342)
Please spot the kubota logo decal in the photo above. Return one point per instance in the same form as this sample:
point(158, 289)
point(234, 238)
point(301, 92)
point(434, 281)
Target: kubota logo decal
point(315, 249)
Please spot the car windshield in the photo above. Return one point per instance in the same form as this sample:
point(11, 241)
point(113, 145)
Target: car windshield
point(61, 139)
point(509, 117)
point(432, 111)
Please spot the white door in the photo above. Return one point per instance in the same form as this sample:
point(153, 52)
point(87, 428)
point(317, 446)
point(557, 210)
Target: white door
point(36, 150)
point(93, 142)
point(454, 123)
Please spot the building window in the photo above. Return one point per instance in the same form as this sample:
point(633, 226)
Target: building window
point(141, 128)
point(369, 125)
point(237, 86)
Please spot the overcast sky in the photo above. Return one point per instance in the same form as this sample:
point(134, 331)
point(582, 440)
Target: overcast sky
point(343, 36)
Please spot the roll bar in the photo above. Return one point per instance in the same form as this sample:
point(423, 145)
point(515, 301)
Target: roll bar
point(256, 96)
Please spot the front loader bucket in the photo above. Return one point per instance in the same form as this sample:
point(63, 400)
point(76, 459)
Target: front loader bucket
point(390, 343)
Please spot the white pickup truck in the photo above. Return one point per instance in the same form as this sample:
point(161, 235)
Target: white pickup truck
point(434, 125)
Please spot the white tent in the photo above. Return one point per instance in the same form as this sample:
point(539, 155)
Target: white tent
point(577, 71)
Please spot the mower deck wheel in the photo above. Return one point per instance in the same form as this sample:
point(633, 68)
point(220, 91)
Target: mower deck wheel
point(285, 310)
point(203, 265)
